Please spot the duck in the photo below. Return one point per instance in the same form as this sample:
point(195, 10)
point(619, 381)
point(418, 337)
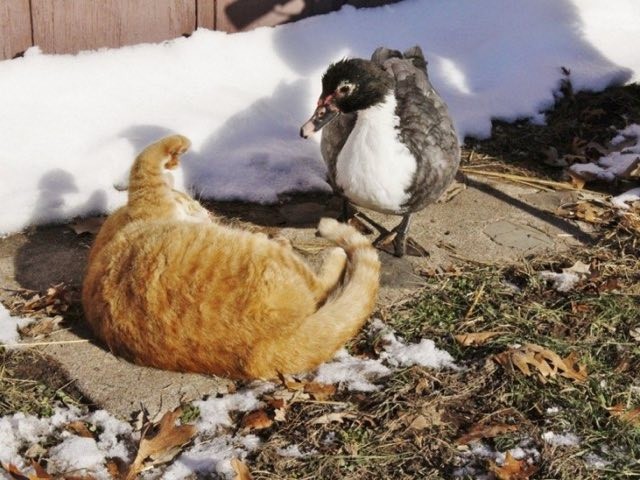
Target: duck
point(388, 140)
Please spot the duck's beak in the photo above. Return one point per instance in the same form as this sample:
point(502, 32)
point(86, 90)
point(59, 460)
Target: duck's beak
point(325, 112)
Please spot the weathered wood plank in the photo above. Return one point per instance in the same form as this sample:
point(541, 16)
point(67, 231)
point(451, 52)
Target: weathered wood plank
point(64, 26)
point(206, 14)
point(15, 27)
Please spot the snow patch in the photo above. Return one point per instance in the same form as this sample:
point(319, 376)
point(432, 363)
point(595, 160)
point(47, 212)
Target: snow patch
point(561, 439)
point(568, 279)
point(351, 373)
point(293, 451)
point(623, 199)
point(9, 327)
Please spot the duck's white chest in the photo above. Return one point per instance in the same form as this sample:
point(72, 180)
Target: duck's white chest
point(374, 168)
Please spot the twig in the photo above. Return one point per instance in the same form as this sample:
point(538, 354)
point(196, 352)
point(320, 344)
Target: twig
point(476, 298)
point(527, 180)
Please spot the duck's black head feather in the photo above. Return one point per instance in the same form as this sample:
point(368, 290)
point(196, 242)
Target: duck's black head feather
point(370, 80)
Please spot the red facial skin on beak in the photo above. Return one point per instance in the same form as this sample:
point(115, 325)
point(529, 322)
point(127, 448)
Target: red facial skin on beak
point(326, 100)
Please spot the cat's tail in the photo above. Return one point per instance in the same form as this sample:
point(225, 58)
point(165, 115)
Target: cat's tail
point(148, 178)
point(343, 314)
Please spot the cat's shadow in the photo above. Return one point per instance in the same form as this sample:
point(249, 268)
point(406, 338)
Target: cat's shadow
point(50, 255)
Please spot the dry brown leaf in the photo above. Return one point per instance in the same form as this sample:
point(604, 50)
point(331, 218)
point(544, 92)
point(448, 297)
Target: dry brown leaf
point(257, 420)
point(41, 327)
point(478, 338)
point(546, 363)
point(420, 422)
point(55, 301)
point(337, 417)
point(591, 213)
point(479, 431)
point(80, 429)
point(163, 446)
point(117, 468)
point(576, 180)
point(320, 391)
point(629, 416)
point(90, 225)
point(240, 469)
point(15, 473)
point(513, 469)
point(41, 473)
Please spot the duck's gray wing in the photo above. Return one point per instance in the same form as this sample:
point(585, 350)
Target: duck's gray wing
point(334, 136)
point(425, 125)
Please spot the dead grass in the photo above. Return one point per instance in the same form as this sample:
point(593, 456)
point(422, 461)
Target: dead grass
point(409, 428)
point(32, 383)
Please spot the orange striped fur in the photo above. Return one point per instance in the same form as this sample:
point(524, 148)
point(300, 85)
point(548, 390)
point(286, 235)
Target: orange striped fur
point(168, 286)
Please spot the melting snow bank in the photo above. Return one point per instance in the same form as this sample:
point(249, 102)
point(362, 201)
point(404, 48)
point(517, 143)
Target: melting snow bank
point(9, 327)
point(72, 124)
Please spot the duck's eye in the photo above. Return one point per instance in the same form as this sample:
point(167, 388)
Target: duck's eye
point(344, 89)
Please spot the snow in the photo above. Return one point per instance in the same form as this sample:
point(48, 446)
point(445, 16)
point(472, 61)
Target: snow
point(595, 461)
point(72, 124)
point(474, 457)
point(213, 449)
point(293, 451)
point(209, 456)
point(623, 199)
point(20, 431)
point(77, 453)
point(214, 412)
point(425, 353)
point(569, 278)
point(617, 164)
point(351, 373)
point(562, 282)
point(9, 326)
point(566, 439)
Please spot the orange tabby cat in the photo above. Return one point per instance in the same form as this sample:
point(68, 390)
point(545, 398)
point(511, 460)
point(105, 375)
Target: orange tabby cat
point(168, 286)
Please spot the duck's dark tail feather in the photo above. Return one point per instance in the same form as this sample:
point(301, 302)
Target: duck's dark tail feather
point(414, 54)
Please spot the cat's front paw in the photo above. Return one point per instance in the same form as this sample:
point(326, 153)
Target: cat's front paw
point(175, 146)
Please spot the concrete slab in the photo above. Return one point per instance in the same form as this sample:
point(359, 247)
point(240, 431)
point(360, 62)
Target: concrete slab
point(485, 223)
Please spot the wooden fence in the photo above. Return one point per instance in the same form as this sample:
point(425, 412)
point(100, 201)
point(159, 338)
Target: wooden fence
point(67, 26)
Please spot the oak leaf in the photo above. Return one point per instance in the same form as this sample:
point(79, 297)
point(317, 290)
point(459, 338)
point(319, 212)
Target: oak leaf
point(629, 416)
point(240, 469)
point(164, 445)
point(480, 430)
point(16, 474)
point(545, 363)
point(320, 391)
point(335, 417)
point(79, 428)
point(257, 420)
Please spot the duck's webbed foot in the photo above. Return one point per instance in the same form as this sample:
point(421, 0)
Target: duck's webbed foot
point(398, 242)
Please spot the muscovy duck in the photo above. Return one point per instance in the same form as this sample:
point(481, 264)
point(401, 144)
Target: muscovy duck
point(388, 140)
